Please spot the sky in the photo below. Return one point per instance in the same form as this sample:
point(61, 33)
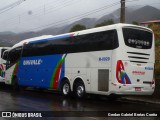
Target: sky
point(32, 15)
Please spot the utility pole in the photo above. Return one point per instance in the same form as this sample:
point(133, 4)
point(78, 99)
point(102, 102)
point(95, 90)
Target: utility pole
point(122, 16)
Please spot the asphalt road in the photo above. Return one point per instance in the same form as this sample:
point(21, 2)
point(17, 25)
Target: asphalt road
point(89, 108)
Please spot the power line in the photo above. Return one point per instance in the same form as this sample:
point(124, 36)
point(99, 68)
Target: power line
point(118, 9)
point(11, 6)
point(61, 22)
point(23, 14)
point(75, 17)
point(19, 18)
point(44, 12)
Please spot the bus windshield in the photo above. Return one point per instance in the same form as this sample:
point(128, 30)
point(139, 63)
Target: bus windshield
point(137, 38)
point(12, 56)
point(2, 52)
point(5, 55)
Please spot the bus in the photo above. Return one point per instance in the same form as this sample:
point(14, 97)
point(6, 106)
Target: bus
point(2, 64)
point(111, 60)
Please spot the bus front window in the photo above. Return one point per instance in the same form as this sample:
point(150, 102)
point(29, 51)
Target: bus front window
point(13, 56)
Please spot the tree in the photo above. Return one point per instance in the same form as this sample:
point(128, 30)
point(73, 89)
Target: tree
point(104, 23)
point(77, 27)
point(156, 30)
point(135, 23)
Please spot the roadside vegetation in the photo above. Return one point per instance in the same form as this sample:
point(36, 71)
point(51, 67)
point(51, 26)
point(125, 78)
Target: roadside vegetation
point(156, 30)
point(77, 27)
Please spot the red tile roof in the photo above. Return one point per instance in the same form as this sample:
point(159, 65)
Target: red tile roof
point(153, 21)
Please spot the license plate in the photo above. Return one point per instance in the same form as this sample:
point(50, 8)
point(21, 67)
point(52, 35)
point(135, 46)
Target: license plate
point(138, 89)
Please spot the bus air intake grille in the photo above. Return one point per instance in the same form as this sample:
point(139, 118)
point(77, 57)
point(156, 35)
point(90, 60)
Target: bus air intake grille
point(139, 53)
point(138, 57)
point(138, 61)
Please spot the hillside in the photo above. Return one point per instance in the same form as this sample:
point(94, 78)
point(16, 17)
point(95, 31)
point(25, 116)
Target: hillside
point(138, 15)
point(88, 22)
point(145, 13)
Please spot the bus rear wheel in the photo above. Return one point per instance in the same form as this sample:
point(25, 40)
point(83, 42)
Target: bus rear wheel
point(15, 85)
point(65, 88)
point(79, 90)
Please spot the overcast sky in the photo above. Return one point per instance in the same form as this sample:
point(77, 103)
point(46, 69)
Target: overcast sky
point(38, 14)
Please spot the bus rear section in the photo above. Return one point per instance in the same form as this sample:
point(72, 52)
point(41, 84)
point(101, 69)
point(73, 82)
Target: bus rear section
point(135, 62)
point(2, 64)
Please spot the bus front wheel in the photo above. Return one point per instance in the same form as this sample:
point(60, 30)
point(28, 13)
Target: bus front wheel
point(15, 85)
point(65, 88)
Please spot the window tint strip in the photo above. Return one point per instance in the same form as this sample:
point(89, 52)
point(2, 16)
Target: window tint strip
point(105, 40)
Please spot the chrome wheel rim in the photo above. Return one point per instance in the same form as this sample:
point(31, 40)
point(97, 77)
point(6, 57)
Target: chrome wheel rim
point(65, 89)
point(80, 91)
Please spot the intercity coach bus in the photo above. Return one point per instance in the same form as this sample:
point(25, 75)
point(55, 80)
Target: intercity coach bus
point(2, 64)
point(115, 59)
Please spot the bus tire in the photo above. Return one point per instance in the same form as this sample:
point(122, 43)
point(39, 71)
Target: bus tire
point(15, 85)
point(79, 90)
point(65, 88)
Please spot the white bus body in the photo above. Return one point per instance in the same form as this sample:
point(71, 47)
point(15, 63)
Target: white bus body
point(115, 59)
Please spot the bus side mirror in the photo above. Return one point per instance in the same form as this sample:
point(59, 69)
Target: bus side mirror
point(8, 63)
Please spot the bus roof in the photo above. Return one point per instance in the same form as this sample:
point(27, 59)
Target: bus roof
point(51, 37)
point(31, 39)
point(5, 47)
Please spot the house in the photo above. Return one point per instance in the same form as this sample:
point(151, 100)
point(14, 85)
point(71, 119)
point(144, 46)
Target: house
point(145, 24)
